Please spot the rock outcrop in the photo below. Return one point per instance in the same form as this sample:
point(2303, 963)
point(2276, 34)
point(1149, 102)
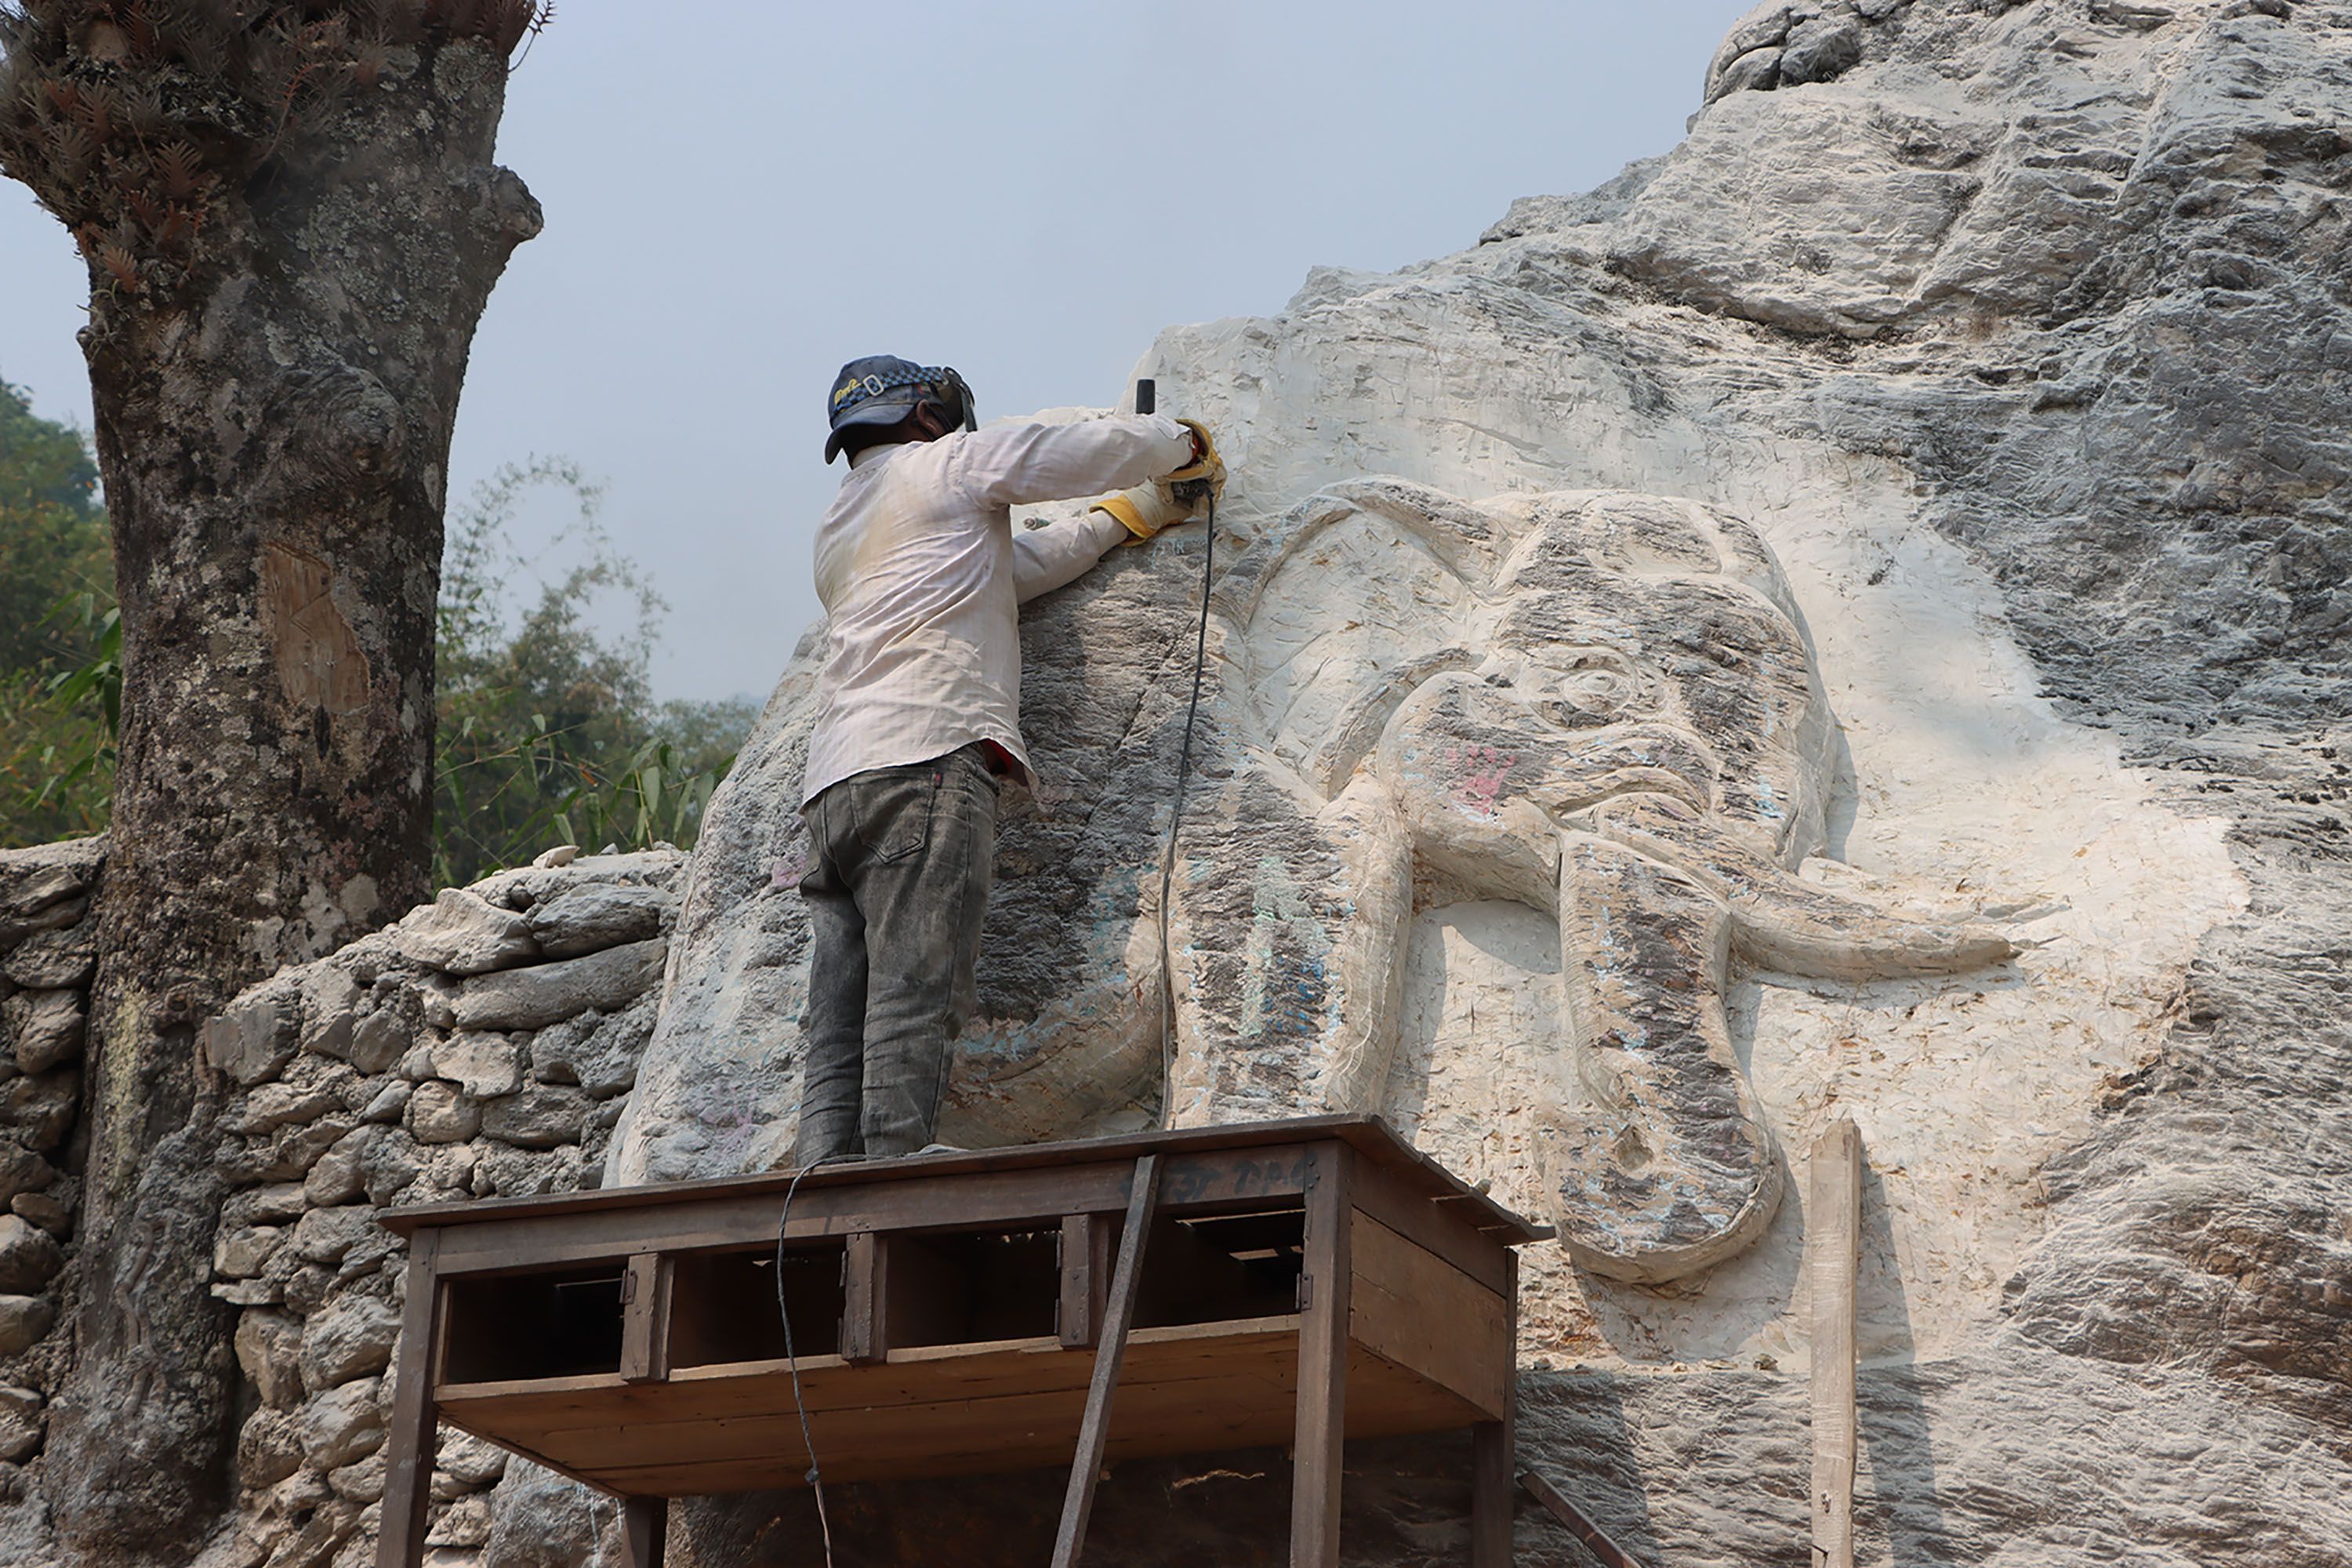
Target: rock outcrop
point(2019, 332)
point(1998, 358)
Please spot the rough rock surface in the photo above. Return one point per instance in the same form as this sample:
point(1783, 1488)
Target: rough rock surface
point(2021, 333)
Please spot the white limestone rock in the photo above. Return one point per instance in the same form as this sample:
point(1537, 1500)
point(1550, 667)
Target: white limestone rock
point(549, 992)
point(462, 934)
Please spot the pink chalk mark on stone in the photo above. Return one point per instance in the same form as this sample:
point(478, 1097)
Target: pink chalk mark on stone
point(786, 873)
point(1481, 771)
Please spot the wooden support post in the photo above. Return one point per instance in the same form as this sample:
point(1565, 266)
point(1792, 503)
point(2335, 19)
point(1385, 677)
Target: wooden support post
point(1086, 1279)
point(408, 1446)
point(1318, 1447)
point(1079, 1501)
point(1494, 1457)
point(1832, 1238)
point(644, 1531)
point(864, 1293)
point(645, 1319)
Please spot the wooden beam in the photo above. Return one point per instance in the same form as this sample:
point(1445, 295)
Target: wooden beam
point(1555, 1503)
point(864, 1295)
point(1494, 1449)
point(645, 1318)
point(1078, 1502)
point(1086, 1279)
point(1832, 1247)
point(644, 1531)
point(1318, 1448)
point(408, 1446)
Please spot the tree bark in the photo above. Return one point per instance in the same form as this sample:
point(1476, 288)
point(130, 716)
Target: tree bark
point(287, 261)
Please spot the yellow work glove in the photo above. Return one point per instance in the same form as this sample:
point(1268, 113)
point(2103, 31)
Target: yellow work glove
point(1174, 498)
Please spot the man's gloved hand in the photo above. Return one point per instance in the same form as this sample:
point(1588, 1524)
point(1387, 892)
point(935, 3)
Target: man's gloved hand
point(1189, 492)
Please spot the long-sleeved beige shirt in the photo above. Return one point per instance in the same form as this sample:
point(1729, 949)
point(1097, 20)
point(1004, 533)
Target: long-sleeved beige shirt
point(922, 574)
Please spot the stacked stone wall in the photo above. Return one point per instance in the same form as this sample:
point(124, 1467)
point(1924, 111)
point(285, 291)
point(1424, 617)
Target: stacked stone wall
point(484, 1047)
point(46, 955)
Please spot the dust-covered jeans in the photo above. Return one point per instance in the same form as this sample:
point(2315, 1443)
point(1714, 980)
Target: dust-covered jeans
point(896, 886)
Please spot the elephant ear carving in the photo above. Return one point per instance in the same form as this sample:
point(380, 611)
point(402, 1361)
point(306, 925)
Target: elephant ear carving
point(1366, 589)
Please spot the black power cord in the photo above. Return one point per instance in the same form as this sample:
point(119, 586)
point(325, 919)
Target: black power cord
point(1175, 820)
point(814, 1476)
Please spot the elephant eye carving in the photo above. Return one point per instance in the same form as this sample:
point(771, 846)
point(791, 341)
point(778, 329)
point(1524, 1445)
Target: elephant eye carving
point(1591, 687)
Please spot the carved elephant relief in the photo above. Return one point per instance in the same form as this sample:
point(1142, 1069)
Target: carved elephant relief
point(1602, 706)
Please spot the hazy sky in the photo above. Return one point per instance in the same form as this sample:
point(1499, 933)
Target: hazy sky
point(742, 195)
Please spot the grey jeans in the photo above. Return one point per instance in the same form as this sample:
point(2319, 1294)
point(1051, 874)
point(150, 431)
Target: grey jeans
point(897, 887)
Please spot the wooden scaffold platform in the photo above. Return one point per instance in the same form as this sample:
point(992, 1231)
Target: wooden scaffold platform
point(1300, 1282)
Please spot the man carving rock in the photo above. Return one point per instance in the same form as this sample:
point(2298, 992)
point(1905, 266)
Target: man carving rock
point(921, 573)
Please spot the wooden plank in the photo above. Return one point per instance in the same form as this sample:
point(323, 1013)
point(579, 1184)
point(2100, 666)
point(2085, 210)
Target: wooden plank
point(1493, 1450)
point(645, 1318)
point(1369, 1135)
point(1833, 1247)
point(1441, 1228)
point(644, 1531)
point(408, 1446)
point(1318, 1445)
point(1086, 1279)
point(1011, 1434)
point(1419, 1310)
point(1546, 1492)
point(865, 1332)
point(1093, 1430)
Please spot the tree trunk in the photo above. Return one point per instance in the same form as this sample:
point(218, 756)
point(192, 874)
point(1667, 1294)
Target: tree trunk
point(286, 278)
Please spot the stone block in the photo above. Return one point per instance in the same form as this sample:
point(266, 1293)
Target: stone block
point(22, 1172)
point(269, 1345)
point(44, 1027)
point(331, 1000)
point(461, 933)
point(541, 1116)
point(327, 1235)
point(242, 1252)
point(485, 1066)
point(29, 1257)
point(251, 1041)
point(341, 1173)
point(44, 1211)
point(272, 1203)
point(24, 1319)
point(54, 960)
point(389, 1165)
point(465, 1463)
point(441, 1113)
point(465, 1522)
point(344, 1425)
point(351, 1338)
point(269, 1106)
point(597, 1051)
point(548, 992)
point(40, 1107)
point(388, 1103)
point(364, 1481)
point(379, 1040)
point(600, 915)
point(268, 1450)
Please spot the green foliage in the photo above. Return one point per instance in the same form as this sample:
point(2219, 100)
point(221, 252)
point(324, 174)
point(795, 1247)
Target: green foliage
point(60, 639)
point(549, 731)
point(53, 541)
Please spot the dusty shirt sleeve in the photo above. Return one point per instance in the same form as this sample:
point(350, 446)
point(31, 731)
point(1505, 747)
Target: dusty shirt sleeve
point(1018, 465)
point(1045, 558)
